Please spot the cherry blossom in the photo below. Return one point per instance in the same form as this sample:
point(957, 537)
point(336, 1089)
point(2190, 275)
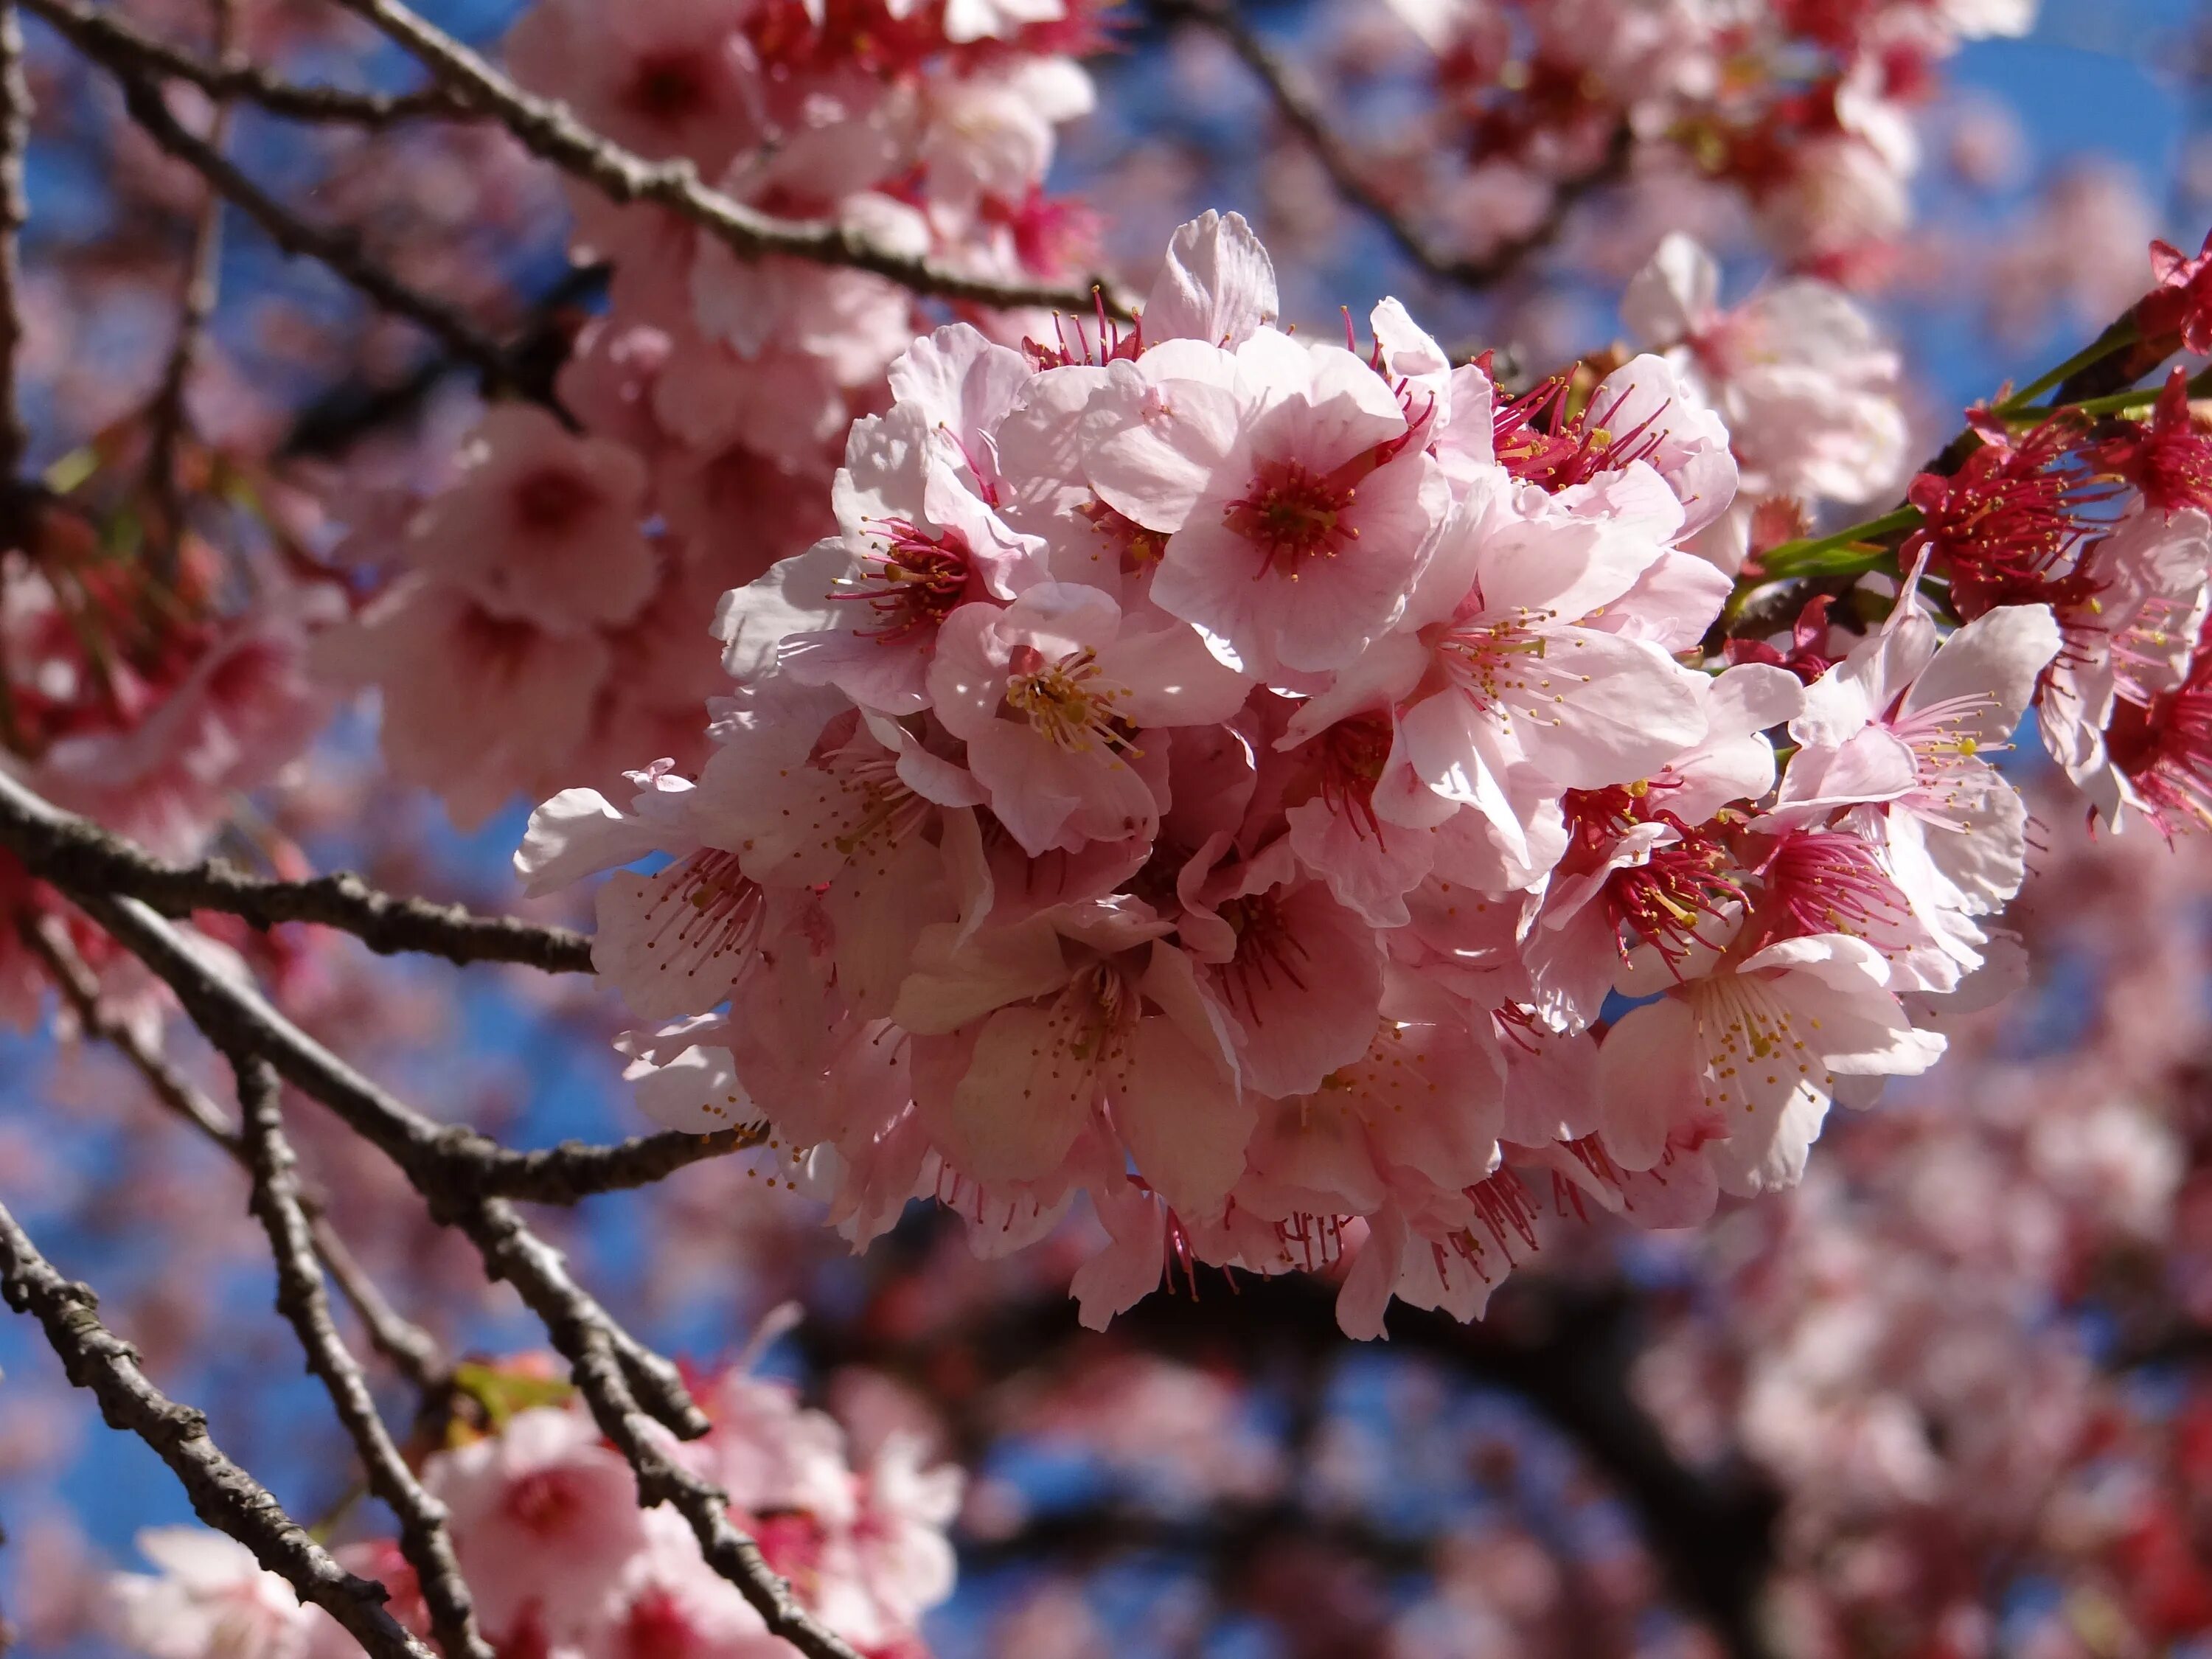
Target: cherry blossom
point(208, 1595)
point(1070, 832)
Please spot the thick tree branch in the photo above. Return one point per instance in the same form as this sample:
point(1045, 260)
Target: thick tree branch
point(75, 852)
point(99, 34)
point(224, 1494)
point(338, 250)
point(277, 1204)
point(549, 131)
point(1303, 113)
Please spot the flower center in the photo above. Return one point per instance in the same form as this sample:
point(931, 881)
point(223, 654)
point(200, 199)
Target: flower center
point(1750, 1039)
point(543, 1502)
point(1133, 547)
point(1500, 664)
point(1823, 882)
point(1293, 516)
point(550, 498)
point(668, 86)
point(913, 581)
point(706, 908)
point(1267, 952)
point(1066, 702)
point(890, 810)
point(1350, 755)
point(2165, 751)
point(1671, 889)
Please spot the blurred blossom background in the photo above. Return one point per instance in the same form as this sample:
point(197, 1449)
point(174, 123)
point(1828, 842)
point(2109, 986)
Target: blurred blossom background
point(1951, 1397)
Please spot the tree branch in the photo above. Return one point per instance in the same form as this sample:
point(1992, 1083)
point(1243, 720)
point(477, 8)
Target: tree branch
point(224, 1494)
point(549, 131)
point(277, 1203)
point(76, 854)
point(413, 1351)
point(1303, 112)
point(435, 1157)
point(165, 419)
point(99, 35)
point(338, 250)
point(581, 1330)
point(349, 409)
point(1566, 1349)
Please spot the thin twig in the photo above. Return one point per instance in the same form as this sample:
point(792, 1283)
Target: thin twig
point(412, 1351)
point(49, 941)
point(423, 1538)
point(222, 1493)
point(339, 250)
point(1305, 115)
point(165, 418)
point(101, 36)
point(549, 131)
point(76, 853)
point(453, 1166)
point(14, 211)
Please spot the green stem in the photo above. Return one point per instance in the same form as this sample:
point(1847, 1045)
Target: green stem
point(1816, 556)
point(2120, 334)
point(2117, 403)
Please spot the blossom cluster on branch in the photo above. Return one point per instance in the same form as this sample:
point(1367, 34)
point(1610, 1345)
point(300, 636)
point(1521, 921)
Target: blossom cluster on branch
point(522, 642)
point(1803, 109)
point(561, 1560)
point(1227, 775)
point(1144, 789)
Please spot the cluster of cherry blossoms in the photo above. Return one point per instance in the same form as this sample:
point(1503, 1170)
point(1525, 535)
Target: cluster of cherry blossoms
point(517, 646)
point(561, 1560)
point(1802, 108)
point(1229, 776)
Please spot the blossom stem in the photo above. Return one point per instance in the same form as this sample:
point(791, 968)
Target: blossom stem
point(1843, 553)
point(2123, 333)
point(2116, 402)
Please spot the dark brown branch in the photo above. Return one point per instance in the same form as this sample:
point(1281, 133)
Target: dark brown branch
point(104, 874)
point(223, 1494)
point(277, 1203)
point(1303, 113)
point(14, 210)
point(413, 1351)
point(75, 852)
point(350, 409)
point(436, 1157)
point(580, 1330)
point(338, 250)
point(99, 34)
point(549, 132)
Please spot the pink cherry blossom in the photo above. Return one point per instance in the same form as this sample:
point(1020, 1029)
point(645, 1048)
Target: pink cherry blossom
point(542, 526)
point(544, 1490)
point(209, 1595)
point(1745, 1054)
point(1298, 508)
